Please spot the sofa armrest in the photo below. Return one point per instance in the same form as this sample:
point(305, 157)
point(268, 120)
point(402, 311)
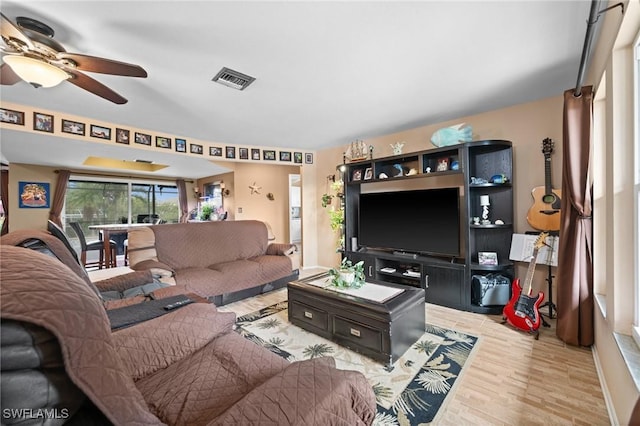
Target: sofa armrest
point(155, 344)
point(309, 392)
point(125, 281)
point(157, 268)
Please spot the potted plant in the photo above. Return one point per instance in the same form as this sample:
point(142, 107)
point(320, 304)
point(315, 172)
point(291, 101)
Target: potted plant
point(326, 199)
point(205, 212)
point(348, 275)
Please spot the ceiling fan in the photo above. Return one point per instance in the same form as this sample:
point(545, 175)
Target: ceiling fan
point(32, 55)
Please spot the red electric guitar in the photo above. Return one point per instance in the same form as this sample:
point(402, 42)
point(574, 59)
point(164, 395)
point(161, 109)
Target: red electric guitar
point(522, 311)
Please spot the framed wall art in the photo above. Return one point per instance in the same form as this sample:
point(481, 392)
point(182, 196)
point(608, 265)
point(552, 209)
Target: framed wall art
point(42, 122)
point(181, 145)
point(195, 148)
point(33, 195)
point(230, 152)
point(243, 153)
point(285, 156)
point(268, 154)
point(100, 132)
point(122, 136)
point(255, 154)
point(11, 116)
point(73, 127)
point(143, 138)
point(162, 142)
point(308, 158)
point(215, 151)
point(297, 157)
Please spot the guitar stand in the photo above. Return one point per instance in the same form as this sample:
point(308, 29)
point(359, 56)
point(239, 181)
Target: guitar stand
point(549, 302)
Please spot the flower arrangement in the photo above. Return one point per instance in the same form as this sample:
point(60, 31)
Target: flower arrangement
point(348, 275)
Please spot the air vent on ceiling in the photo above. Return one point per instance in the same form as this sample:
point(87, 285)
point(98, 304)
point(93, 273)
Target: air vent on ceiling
point(234, 79)
point(143, 161)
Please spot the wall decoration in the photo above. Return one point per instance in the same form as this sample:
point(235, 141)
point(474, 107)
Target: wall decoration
point(33, 195)
point(368, 173)
point(308, 158)
point(255, 189)
point(285, 156)
point(195, 149)
point(230, 152)
point(11, 116)
point(162, 142)
point(181, 145)
point(487, 258)
point(73, 127)
point(143, 138)
point(268, 154)
point(122, 136)
point(357, 174)
point(255, 154)
point(215, 151)
point(243, 153)
point(270, 196)
point(100, 132)
point(297, 157)
point(42, 122)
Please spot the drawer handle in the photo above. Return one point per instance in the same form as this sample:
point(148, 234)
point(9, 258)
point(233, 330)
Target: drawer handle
point(308, 315)
point(355, 332)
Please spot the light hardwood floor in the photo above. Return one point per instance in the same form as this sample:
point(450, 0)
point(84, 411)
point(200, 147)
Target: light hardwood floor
point(511, 378)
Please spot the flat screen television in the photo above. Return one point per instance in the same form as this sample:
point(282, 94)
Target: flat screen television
point(425, 221)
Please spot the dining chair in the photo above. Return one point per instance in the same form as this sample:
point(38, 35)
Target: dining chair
point(156, 221)
point(86, 246)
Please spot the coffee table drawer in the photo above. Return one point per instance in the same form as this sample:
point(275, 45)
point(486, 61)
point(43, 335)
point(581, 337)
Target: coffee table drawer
point(357, 333)
point(312, 316)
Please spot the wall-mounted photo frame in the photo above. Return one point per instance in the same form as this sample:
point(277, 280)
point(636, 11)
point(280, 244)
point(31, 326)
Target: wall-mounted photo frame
point(11, 116)
point(268, 154)
point(368, 173)
point(255, 154)
point(181, 145)
point(285, 156)
point(357, 175)
point(73, 127)
point(123, 136)
point(243, 153)
point(42, 122)
point(297, 157)
point(308, 158)
point(487, 258)
point(33, 195)
point(163, 142)
point(230, 152)
point(195, 149)
point(215, 151)
point(143, 139)
point(100, 132)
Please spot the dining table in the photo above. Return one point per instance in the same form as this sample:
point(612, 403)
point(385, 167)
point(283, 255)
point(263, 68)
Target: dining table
point(109, 229)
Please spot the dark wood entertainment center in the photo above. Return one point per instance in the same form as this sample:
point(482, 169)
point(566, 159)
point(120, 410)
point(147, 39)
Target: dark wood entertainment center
point(468, 166)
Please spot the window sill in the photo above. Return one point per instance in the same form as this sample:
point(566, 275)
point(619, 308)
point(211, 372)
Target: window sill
point(631, 355)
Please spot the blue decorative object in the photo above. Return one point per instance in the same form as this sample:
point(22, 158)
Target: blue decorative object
point(399, 168)
point(452, 135)
point(455, 165)
point(499, 179)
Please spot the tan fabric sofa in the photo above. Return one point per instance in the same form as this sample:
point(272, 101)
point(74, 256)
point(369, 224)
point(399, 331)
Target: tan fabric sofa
point(187, 367)
point(222, 261)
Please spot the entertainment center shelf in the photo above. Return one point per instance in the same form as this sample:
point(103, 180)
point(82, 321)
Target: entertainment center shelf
point(480, 175)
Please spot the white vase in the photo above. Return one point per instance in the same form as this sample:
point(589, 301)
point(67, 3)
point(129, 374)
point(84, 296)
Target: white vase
point(348, 276)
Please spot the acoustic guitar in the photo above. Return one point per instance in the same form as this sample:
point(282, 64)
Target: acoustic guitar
point(544, 215)
point(523, 309)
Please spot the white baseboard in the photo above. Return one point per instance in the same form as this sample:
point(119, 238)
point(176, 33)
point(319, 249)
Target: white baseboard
point(605, 389)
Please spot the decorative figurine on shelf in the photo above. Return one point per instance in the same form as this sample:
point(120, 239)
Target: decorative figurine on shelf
point(370, 152)
point(356, 151)
point(484, 202)
point(396, 147)
point(382, 175)
point(412, 172)
point(398, 167)
point(452, 135)
point(500, 178)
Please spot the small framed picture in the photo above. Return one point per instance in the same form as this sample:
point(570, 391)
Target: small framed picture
point(368, 173)
point(243, 153)
point(443, 165)
point(487, 258)
point(268, 154)
point(215, 151)
point(33, 195)
point(195, 149)
point(297, 157)
point(181, 145)
point(143, 138)
point(11, 116)
point(73, 127)
point(230, 152)
point(357, 175)
point(285, 156)
point(100, 132)
point(122, 136)
point(162, 142)
point(255, 154)
point(42, 122)
point(308, 158)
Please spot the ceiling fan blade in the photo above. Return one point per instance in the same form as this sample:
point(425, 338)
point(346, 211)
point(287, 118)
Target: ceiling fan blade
point(102, 65)
point(9, 31)
point(7, 76)
point(94, 86)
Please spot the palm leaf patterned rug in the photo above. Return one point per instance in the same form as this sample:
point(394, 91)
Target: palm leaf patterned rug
point(409, 393)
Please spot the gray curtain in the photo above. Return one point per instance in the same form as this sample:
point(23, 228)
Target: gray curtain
point(575, 264)
point(58, 201)
point(182, 200)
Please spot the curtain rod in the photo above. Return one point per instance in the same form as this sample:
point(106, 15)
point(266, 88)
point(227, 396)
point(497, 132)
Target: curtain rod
point(594, 15)
point(98, 174)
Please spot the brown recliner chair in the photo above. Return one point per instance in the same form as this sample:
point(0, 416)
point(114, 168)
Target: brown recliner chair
point(186, 367)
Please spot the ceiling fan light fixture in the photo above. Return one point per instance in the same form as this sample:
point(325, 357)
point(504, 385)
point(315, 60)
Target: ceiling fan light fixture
point(36, 72)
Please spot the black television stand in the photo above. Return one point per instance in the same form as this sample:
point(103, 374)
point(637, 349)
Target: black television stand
point(405, 254)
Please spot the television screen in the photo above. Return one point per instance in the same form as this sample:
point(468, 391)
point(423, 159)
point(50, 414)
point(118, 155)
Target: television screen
point(420, 221)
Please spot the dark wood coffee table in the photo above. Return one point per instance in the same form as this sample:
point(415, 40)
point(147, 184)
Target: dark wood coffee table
point(380, 330)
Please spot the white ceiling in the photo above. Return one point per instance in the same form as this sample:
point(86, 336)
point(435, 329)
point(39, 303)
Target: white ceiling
point(327, 72)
